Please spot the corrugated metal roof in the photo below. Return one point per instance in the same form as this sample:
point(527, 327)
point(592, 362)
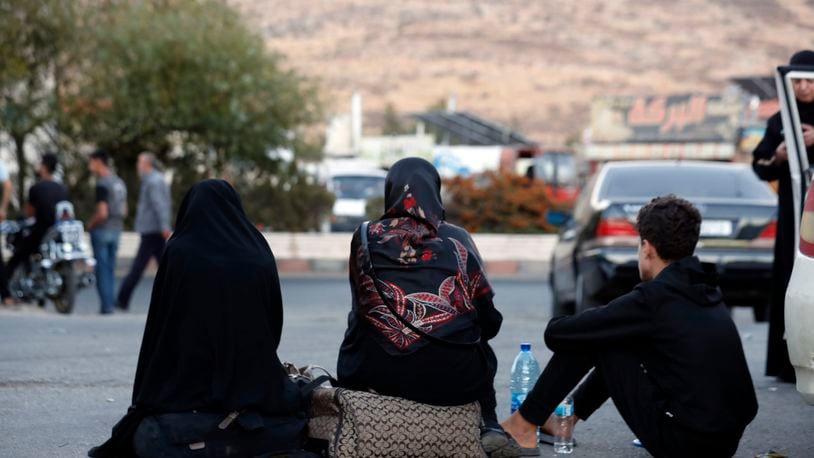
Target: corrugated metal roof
point(762, 86)
point(469, 129)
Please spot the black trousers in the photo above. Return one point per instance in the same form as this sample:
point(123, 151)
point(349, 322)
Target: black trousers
point(619, 375)
point(151, 246)
point(488, 402)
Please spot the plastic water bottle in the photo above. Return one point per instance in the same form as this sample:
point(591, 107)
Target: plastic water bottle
point(564, 439)
point(525, 371)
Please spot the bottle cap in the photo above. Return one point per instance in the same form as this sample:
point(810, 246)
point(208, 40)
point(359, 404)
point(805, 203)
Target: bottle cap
point(525, 346)
point(564, 410)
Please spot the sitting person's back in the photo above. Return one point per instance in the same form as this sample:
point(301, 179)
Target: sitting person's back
point(679, 330)
point(667, 353)
point(210, 342)
point(422, 307)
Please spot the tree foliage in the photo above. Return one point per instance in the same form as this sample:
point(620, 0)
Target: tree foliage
point(187, 80)
point(188, 73)
point(288, 201)
point(498, 202)
point(35, 39)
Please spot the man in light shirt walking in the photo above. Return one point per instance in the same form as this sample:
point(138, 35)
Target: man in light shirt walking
point(152, 223)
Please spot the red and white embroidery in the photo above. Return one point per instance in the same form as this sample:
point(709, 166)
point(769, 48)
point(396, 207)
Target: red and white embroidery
point(425, 311)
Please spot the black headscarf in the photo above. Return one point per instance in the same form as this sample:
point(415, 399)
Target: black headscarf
point(214, 323)
point(429, 270)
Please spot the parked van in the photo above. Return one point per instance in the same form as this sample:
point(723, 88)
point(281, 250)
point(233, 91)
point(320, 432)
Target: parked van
point(353, 184)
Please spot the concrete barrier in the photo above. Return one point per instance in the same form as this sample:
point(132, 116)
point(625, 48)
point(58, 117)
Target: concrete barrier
point(504, 255)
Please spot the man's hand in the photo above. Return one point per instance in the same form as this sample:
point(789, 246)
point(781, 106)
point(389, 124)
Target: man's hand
point(166, 233)
point(3, 215)
point(781, 154)
point(808, 134)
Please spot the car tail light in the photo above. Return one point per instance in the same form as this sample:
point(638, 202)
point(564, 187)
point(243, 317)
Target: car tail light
point(766, 238)
point(807, 227)
point(616, 227)
point(770, 232)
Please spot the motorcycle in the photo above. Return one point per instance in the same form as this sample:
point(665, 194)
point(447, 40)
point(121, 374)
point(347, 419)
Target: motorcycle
point(60, 267)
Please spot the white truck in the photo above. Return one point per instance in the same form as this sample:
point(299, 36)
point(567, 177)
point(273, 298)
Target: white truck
point(353, 183)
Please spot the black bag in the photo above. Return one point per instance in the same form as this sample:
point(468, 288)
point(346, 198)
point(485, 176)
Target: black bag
point(216, 435)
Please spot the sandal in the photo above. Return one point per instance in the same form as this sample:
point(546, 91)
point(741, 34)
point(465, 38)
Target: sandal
point(500, 444)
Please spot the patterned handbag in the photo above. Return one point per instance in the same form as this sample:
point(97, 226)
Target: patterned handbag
point(358, 424)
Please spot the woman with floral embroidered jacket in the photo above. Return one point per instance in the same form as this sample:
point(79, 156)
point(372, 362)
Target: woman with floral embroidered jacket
point(429, 272)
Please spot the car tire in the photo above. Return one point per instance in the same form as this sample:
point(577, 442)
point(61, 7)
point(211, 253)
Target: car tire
point(583, 300)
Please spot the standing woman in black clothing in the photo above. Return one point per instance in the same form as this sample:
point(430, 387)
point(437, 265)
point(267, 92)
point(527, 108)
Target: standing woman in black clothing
point(209, 382)
point(428, 272)
point(770, 162)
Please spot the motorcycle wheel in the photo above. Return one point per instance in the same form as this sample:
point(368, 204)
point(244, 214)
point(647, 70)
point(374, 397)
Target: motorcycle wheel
point(65, 301)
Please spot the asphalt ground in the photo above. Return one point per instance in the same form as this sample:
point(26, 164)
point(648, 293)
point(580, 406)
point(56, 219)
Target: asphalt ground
point(65, 380)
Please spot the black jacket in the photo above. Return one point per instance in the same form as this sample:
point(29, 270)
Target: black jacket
point(684, 336)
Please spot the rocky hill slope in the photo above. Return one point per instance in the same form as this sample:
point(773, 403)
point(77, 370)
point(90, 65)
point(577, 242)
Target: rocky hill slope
point(534, 65)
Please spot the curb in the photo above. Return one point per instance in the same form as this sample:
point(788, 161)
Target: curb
point(334, 268)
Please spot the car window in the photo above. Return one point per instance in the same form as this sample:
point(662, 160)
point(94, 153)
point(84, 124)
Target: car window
point(358, 187)
point(686, 181)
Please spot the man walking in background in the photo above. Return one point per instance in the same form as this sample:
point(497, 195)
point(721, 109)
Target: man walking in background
point(152, 223)
point(106, 225)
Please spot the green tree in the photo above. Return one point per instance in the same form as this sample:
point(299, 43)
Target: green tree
point(35, 40)
point(189, 81)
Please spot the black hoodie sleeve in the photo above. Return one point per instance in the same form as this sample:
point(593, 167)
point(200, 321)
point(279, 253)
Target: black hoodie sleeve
point(625, 318)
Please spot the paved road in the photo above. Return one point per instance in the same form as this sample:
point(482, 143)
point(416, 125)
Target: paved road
point(65, 380)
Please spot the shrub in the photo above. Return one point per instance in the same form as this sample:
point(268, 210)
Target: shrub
point(498, 202)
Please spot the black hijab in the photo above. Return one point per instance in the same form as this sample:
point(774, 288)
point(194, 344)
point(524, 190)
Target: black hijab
point(214, 323)
point(429, 270)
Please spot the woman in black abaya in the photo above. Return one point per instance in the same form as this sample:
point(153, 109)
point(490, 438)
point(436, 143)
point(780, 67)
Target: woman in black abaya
point(209, 353)
point(770, 161)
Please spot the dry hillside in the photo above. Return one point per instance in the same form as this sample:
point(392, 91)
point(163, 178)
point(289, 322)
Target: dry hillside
point(534, 65)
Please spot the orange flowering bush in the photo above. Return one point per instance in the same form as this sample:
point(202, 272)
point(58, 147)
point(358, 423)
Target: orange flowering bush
point(499, 202)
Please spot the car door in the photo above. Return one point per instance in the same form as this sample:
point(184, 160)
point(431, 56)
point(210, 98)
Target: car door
point(792, 130)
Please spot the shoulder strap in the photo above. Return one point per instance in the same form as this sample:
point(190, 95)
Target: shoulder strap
point(367, 267)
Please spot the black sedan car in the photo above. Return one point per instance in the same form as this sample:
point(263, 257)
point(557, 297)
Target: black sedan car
point(596, 256)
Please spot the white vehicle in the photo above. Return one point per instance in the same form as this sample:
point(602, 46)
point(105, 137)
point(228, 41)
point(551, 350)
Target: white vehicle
point(799, 304)
point(353, 188)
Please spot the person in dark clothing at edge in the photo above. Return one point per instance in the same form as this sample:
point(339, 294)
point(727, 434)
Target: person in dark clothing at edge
point(209, 381)
point(667, 353)
point(431, 274)
point(770, 162)
point(43, 198)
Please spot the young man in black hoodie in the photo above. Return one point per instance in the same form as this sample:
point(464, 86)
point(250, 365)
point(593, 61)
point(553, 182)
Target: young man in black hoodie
point(667, 353)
